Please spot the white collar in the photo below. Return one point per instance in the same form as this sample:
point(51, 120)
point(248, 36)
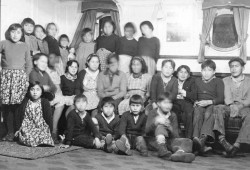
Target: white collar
point(110, 119)
point(92, 74)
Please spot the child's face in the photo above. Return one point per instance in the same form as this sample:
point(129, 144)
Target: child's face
point(16, 35)
point(81, 105)
point(236, 69)
point(165, 105)
point(28, 28)
point(39, 33)
point(135, 108)
point(167, 69)
point(53, 60)
point(136, 67)
point(64, 42)
point(108, 109)
point(146, 30)
point(42, 63)
point(93, 64)
point(207, 73)
point(35, 92)
point(108, 28)
point(129, 32)
point(52, 30)
point(113, 66)
point(88, 37)
point(73, 68)
point(183, 74)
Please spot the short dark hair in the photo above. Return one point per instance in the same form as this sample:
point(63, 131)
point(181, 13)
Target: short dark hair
point(69, 63)
point(111, 56)
point(168, 61)
point(32, 84)
point(38, 56)
point(39, 26)
point(111, 22)
point(108, 100)
point(144, 68)
point(85, 31)
point(28, 21)
point(80, 96)
point(185, 67)
point(49, 24)
point(164, 96)
point(61, 37)
point(237, 59)
point(12, 27)
point(90, 57)
point(130, 25)
point(136, 99)
point(148, 23)
point(208, 63)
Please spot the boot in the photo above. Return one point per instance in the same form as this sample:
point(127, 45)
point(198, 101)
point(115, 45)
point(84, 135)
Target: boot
point(163, 151)
point(122, 147)
point(55, 138)
point(108, 143)
point(227, 146)
point(141, 146)
point(199, 143)
point(181, 156)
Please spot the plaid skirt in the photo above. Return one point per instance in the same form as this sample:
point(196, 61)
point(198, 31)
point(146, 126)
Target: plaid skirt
point(150, 62)
point(103, 55)
point(13, 87)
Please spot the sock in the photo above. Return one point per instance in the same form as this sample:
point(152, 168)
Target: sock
point(237, 145)
point(221, 137)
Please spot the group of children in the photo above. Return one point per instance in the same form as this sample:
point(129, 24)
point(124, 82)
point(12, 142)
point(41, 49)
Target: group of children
point(111, 94)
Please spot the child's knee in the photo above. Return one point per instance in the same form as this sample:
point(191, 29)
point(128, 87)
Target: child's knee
point(160, 139)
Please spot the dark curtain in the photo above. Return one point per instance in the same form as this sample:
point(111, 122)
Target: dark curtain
point(116, 18)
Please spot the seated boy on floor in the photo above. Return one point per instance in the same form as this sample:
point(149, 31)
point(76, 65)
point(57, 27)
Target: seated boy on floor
point(162, 124)
point(108, 123)
point(81, 131)
point(131, 128)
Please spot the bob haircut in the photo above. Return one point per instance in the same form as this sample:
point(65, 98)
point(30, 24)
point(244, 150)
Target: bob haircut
point(148, 23)
point(39, 26)
point(14, 27)
point(50, 24)
point(168, 61)
point(111, 56)
point(33, 84)
point(165, 96)
point(28, 21)
point(107, 100)
point(85, 31)
point(37, 57)
point(136, 99)
point(208, 63)
point(110, 22)
point(144, 68)
point(61, 37)
point(80, 97)
point(185, 67)
point(69, 63)
point(237, 59)
point(89, 58)
point(130, 25)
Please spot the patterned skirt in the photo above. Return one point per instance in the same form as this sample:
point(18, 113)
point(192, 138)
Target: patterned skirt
point(103, 55)
point(13, 87)
point(150, 62)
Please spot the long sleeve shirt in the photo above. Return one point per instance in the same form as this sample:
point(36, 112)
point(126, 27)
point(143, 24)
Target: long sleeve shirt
point(110, 43)
point(53, 45)
point(149, 47)
point(128, 47)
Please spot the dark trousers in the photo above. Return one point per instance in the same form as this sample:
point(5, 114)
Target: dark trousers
point(222, 111)
point(184, 111)
point(203, 122)
point(85, 141)
point(9, 117)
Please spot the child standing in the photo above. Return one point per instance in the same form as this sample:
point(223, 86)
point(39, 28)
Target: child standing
point(86, 47)
point(53, 45)
point(80, 126)
point(132, 127)
point(127, 47)
point(40, 34)
point(64, 48)
point(107, 43)
point(28, 26)
point(163, 125)
point(149, 46)
point(34, 118)
point(16, 66)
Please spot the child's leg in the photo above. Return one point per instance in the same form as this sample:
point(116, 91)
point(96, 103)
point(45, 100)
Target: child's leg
point(161, 134)
point(84, 141)
point(123, 146)
point(9, 121)
point(56, 116)
point(198, 120)
point(141, 146)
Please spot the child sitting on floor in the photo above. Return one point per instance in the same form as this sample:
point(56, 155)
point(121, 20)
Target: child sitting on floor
point(132, 126)
point(34, 118)
point(80, 127)
point(163, 125)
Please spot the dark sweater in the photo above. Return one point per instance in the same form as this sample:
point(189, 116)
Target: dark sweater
point(213, 90)
point(128, 125)
point(149, 47)
point(189, 87)
point(128, 47)
point(68, 86)
point(46, 109)
point(150, 125)
point(108, 128)
point(79, 82)
point(110, 43)
point(76, 126)
point(53, 45)
point(157, 87)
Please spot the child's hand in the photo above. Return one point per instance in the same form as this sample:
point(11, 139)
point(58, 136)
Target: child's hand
point(97, 143)
point(46, 88)
point(64, 146)
point(160, 120)
point(62, 137)
point(17, 133)
point(155, 106)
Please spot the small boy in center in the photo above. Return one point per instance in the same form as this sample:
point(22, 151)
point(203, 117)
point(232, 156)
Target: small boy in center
point(132, 128)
